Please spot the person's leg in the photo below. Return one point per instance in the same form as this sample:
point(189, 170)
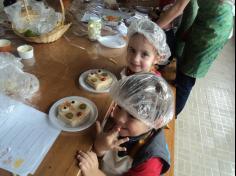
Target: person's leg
point(184, 86)
point(204, 41)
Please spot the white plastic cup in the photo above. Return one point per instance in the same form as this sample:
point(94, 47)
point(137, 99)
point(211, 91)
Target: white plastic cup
point(26, 51)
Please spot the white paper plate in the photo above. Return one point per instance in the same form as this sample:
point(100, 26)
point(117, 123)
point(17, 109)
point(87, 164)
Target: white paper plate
point(65, 127)
point(114, 41)
point(87, 87)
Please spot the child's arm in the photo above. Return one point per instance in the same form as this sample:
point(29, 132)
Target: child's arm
point(106, 141)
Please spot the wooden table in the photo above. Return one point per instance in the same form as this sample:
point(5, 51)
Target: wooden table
point(169, 74)
point(58, 66)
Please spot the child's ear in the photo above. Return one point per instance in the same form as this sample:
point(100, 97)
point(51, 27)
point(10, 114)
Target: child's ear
point(156, 59)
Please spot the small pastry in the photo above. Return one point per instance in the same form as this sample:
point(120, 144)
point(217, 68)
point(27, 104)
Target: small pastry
point(73, 112)
point(100, 80)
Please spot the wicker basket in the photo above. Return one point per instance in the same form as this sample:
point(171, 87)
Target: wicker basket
point(49, 37)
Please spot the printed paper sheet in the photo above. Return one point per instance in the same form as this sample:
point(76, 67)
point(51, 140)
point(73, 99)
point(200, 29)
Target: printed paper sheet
point(26, 135)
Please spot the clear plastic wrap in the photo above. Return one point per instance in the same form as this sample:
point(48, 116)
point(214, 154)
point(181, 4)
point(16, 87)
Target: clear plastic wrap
point(13, 81)
point(83, 11)
point(7, 59)
point(96, 7)
point(6, 108)
point(154, 34)
point(43, 20)
point(146, 97)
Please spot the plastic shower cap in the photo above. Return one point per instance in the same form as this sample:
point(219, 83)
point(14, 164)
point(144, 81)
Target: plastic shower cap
point(146, 97)
point(154, 34)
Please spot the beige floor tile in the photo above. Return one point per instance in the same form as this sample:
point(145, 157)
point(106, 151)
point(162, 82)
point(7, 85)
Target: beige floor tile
point(205, 130)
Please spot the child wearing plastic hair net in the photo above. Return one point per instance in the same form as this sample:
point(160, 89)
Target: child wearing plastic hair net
point(134, 145)
point(147, 47)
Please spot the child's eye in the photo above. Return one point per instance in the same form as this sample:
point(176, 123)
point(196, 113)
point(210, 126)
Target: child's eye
point(145, 54)
point(131, 50)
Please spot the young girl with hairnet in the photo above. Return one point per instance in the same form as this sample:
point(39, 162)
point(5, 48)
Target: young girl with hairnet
point(134, 145)
point(147, 47)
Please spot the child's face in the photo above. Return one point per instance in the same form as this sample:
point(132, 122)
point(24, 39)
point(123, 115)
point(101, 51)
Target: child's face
point(141, 55)
point(129, 125)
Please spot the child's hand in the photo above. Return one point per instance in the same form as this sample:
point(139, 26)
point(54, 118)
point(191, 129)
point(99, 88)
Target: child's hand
point(88, 164)
point(108, 141)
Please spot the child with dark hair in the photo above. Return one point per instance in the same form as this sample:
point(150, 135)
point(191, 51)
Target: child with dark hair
point(135, 144)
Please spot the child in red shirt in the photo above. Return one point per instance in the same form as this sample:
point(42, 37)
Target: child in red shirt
point(134, 145)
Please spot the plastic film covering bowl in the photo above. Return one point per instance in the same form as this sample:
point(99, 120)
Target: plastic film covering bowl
point(13, 80)
point(146, 97)
point(154, 34)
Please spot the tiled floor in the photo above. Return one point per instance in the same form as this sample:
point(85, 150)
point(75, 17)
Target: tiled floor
point(205, 130)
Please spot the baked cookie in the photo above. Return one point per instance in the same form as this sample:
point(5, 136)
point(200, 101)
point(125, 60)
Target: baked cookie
point(99, 79)
point(73, 112)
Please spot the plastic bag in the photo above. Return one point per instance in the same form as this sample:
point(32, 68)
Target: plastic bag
point(13, 81)
point(6, 107)
point(9, 59)
point(82, 10)
point(43, 20)
point(13, 12)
